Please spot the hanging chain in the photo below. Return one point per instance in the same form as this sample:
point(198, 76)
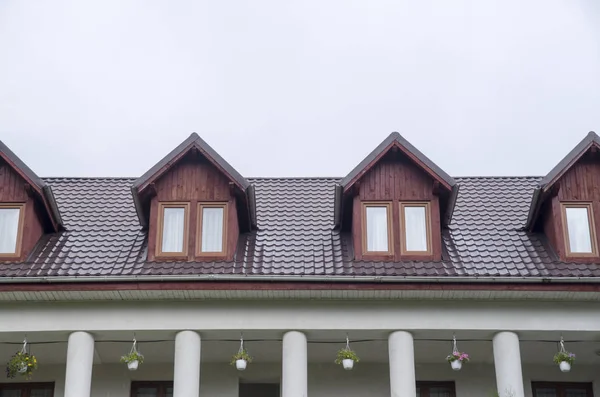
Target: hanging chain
point(454, 346)
point(347, 342)
point(241, 343)
point(134, 347)
point(24, 348)
point(562, 345)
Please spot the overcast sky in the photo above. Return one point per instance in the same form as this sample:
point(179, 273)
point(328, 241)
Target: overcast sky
point(297, 87)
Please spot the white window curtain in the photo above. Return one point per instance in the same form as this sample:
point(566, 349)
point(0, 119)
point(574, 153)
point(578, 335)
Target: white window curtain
point(377, 229)
point(578, 227)
point(173, 229)
point(415, 228)
point(9, 228)
point(212, 229)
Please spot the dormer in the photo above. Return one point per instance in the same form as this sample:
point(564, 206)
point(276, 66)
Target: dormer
point(566, 204)
point(395, 204)
point(27, 208)
point(194, 205)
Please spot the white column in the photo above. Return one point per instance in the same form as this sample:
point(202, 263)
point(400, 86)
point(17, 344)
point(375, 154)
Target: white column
point(186, 377)
point(294, 378)
point(80, 359)
point(402, 364)
point(507, 359)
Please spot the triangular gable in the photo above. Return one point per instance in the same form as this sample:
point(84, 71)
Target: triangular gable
point(545, 185)
point(396, 140)
point(43, 190)
point(163, 166)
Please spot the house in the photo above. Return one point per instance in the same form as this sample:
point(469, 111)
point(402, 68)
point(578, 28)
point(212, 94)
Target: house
point(396, 259)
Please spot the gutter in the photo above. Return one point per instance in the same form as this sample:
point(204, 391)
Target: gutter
point(316, 279)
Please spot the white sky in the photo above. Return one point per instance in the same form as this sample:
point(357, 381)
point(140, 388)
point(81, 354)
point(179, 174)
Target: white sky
point(297, 87)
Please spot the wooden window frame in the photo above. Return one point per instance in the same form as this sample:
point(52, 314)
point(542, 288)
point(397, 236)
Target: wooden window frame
point(403, 250)
point(161, 387)
point(26, 387)
point(388, 205)
point(424, 387)
point(211, 204)
point(591, 224)
point(561, 386)
point(186, 229)
point(18, 246)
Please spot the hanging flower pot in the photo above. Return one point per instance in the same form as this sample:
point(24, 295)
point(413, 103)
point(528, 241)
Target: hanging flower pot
point(21, 363)
point(456, 365)
point(346, 356)
point(456, 359)
point(241, 359)
point(134, 358)
point(564, 358)
point(348, 364)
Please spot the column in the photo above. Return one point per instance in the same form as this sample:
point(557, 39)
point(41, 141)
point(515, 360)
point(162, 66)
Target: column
point(402, 364)
point(186, 377)
point(507, 360)
point(80, 358)
point(294, 378)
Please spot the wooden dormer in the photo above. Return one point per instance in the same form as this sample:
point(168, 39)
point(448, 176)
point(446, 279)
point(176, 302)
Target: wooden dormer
point(566, 204)
point(395, 203)
point(27, 208)
point(194, 205)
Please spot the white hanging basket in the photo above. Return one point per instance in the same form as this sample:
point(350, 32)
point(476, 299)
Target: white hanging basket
point(456, 365)
point(23, 368)
point(241, 364)
point(133, 365)
point(348, 364)
point(564, 366)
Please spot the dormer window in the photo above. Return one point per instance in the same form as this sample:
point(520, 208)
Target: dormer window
point(578, 223)
point(172, 239)
point(377, 233)
point(212, 229)
point(415, 224)
point(11, 229)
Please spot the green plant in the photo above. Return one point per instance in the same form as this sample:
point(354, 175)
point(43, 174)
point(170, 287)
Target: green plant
point(346, 354)
point(564, 356)
point(241, 355)
point(133, 356)
point(458, 356)
point(18, 362)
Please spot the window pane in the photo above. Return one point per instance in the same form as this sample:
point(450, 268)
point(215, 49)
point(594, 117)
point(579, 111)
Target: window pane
point(377, 229)
point(146, 392)
point(10, 393)
point(169, 392)
point(439, 392)
point(571, 392)
point(415, 228)
point(9, 227)
point(40, 393)
point(212, 229)
point(173, 229)
point(578, 227)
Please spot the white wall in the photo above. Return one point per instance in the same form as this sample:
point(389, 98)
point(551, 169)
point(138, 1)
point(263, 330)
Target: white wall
point(325, 380)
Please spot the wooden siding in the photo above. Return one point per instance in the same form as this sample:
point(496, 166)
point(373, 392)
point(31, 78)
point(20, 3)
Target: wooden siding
point(395, 178)
point(580, 183)
point(13, 190)
point(194, 180)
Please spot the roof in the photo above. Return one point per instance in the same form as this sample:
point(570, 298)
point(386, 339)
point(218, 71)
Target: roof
point(545, 183)
point(296, 236)
point(395, 139)
point(43, 190)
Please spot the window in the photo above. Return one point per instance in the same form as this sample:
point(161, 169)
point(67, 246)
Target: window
point(152, 389)
point(259, 389)
point(172, 236)
point(578, 226)
point(377, 230)
point(561, 389)
point(415, 228)
point(212, 229)
point(11, 229)
point(27, 390)
point(435, 389)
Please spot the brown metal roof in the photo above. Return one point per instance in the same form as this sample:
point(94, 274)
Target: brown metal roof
point(296, 236)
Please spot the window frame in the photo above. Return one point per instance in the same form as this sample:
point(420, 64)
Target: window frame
point(427, 385)
point(27, 387)
point(20, 227)
point(427, 205)
point(186, 229)
point(591, 224)
point(161, 387)
point(390, 234)
point(561, 386)
point(211, 204)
